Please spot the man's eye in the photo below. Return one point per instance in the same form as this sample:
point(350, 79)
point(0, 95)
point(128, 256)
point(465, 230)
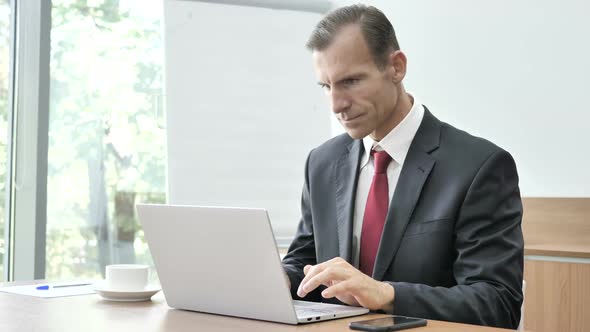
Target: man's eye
point(325, 87)
point(350, 81)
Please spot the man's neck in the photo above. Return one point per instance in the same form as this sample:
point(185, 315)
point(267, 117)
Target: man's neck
point(402, 108)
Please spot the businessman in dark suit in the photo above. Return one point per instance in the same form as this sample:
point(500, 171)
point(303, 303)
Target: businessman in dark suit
point(404, 213)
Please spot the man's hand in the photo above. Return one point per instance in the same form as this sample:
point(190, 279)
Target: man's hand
point(347, 284)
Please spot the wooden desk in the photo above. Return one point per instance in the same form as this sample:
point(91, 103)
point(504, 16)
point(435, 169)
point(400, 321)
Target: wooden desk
point(90, 313)
point(557, 227)
point(557, 264)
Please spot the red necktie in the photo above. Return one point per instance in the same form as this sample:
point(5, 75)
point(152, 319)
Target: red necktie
point(375, 213)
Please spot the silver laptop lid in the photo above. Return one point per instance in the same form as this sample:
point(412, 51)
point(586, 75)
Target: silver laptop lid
point(218, 260)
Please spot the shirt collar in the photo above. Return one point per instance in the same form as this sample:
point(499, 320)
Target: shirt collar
point(397, 142)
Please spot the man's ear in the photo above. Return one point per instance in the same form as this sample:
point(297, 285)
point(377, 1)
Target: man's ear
point(396, 65)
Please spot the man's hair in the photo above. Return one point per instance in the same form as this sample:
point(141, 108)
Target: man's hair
point(375, 27)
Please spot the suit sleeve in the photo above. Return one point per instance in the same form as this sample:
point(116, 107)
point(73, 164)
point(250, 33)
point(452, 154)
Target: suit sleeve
point(489, 246)
point(302, 249)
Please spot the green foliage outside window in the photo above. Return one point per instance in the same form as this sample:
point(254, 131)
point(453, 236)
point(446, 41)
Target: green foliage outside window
point(106, 137)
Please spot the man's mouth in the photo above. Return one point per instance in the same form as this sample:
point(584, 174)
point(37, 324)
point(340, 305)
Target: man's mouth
point(350, 119)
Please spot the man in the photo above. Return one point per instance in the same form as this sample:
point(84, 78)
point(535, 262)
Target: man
point(403, 214)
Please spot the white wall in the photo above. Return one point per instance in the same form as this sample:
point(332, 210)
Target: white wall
point(240, 87)
point(513, 71)
point(243, 108)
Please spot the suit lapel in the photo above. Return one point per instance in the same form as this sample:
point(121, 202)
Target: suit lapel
point(346, 176)
point(414, 174)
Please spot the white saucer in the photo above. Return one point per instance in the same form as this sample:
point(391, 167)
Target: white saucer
point(126, 296)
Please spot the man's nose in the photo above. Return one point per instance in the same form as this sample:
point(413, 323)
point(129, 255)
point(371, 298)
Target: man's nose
point(340, 102)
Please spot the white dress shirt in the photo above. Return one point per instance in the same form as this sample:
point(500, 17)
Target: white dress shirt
point(396, 143)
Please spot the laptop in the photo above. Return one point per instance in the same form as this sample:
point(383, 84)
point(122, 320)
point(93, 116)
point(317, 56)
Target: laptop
point(225, 261)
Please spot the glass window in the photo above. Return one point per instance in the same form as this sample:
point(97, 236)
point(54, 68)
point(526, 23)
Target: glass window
point(107, 147)
point(4, 82)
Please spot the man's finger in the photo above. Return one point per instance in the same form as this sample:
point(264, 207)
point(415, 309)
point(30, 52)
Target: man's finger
point(310, 271)
point(346, 287)
point(327, 277)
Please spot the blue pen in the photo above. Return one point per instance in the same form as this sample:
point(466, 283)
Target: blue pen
point(46, 287)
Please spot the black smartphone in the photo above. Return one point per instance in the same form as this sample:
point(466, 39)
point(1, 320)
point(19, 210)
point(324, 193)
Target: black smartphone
point(392, 323)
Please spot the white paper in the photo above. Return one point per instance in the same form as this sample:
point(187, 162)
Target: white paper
point(31, 290)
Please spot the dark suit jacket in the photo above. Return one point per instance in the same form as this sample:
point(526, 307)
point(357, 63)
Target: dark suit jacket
point(452, 244)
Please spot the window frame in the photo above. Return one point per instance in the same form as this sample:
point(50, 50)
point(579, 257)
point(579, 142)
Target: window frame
point(28, 118)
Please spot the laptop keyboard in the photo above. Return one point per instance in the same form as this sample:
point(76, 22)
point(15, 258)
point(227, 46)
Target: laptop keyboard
point(305, 312)
point(309, 309)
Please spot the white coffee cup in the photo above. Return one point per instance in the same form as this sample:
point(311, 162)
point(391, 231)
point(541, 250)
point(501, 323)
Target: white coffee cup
point(127, 277)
